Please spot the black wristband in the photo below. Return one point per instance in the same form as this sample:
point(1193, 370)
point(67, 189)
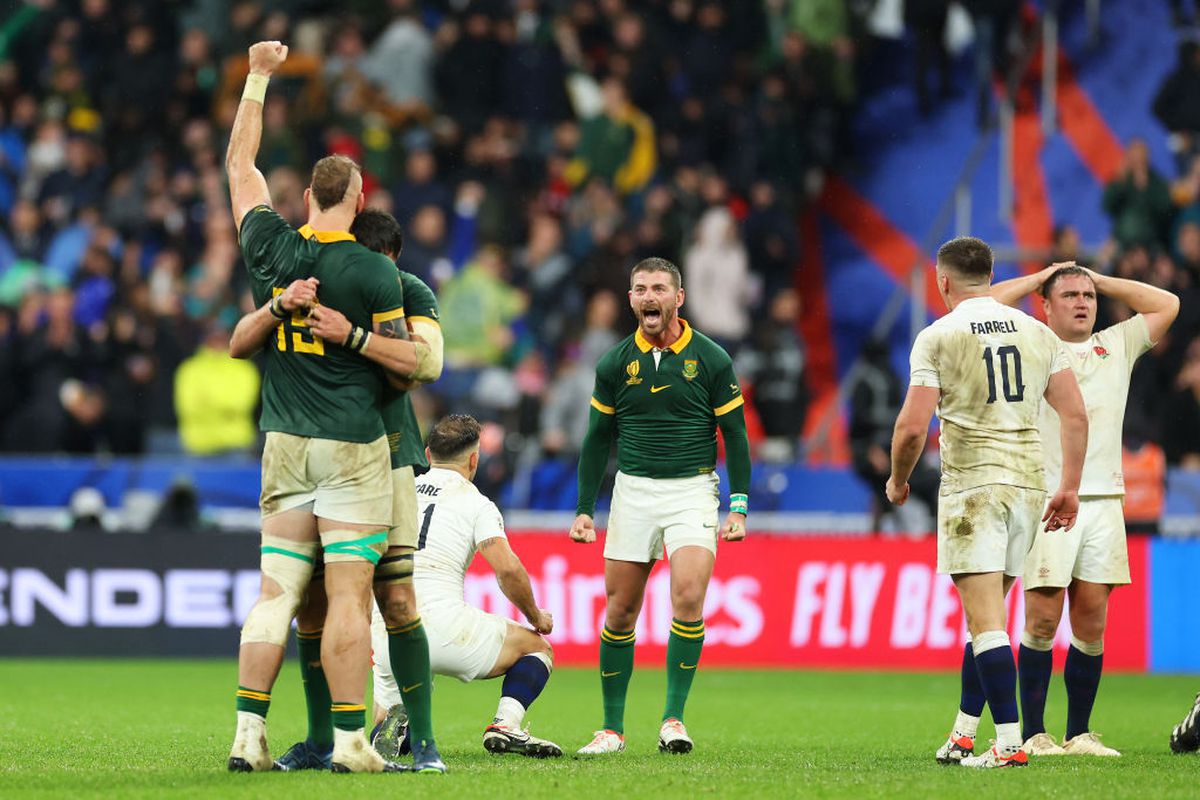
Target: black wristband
point(356, 340)
point(276, 306)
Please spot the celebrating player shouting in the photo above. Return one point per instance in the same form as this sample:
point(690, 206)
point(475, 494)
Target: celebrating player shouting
point(1092, 558)
point(985, 367)
point(663, 392)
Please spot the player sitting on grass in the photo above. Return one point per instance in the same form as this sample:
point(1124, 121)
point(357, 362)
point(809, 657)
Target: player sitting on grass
point(464, 642)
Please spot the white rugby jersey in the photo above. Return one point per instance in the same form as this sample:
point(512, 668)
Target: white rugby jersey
point(454, 519)
point(992, 364)
point(1102, 366)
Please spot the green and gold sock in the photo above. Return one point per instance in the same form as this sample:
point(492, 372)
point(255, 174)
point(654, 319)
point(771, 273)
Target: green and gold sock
point(616, 668)
point(348, 716)
point(683, 654)
point(253, 701)
point(408, 653)
point(316, 689)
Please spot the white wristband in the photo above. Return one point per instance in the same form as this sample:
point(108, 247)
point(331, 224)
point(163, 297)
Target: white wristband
point(256, 88)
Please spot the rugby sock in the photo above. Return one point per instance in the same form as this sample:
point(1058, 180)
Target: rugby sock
point(1082, 676)
point(616, 667)
point(316, 690)
point(252, 701)
point(683, 654)
point(998, 675)
point(348, 716)
point(523, 683)
point(408, 653)
point(1034, 664)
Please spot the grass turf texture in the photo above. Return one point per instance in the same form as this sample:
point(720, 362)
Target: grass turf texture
point(152, 728)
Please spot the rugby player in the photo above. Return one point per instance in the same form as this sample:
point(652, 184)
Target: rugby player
point(378, 231)
point(325, 463)
point(661, 393)
point(465, 642)
point(1091, 559)
point(985, 368)
point(1185, 737)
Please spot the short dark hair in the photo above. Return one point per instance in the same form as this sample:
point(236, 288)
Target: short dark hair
point(453, 436)
point(968, 256)
point(1063, 272)
point(379, 231)
point(656, 264)
point(331, 179)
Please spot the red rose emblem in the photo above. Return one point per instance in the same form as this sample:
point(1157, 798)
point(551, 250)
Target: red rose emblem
point(1100, 351)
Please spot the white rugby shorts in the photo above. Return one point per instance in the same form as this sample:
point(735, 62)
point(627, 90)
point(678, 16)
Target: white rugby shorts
point(987, 529)
point(649, 514)
point(1094, 550)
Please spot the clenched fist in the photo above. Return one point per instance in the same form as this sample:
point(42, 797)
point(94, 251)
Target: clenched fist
point(265, 57)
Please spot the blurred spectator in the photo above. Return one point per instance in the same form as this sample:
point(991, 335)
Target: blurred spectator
point(1138, 200)
point(993, 21)
point(718, 281)
point(1182, 414)
point(478, 308)
point(87, 508)
point(773, 363)
point(616, 145)
point(1145, 468)
point(179, 511)
point(1177, 104)
point(926, 19)
point(400, 61)
point(215, 398)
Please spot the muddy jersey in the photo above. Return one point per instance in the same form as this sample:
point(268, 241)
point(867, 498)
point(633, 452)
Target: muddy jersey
point(455, 518)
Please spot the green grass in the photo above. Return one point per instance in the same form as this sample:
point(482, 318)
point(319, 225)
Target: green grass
point(155, 728)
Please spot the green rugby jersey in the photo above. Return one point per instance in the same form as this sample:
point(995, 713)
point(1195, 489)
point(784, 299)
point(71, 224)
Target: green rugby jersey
point(403, 432)
point(310, 389)
point(666, 415)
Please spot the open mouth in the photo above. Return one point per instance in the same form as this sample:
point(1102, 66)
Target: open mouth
point(652, 315)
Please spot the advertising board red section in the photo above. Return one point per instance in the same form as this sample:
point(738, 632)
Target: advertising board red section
point(796, 601)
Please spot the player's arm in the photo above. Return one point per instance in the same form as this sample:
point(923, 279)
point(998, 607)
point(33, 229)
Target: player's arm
point(1062, 393)
point(247, 186)
point(255, 329)
point(514, 581)
point(1011, 292)
point(593, 459)
point(1158, 306)
point(731, 419)
point(426, 337)
point(387, 344)
point(908, 438)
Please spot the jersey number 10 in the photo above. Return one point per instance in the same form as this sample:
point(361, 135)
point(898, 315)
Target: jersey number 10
point(1010, 362)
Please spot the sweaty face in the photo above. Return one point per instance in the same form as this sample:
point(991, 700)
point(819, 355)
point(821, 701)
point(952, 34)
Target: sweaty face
point(655, 301)
point(1071, 307)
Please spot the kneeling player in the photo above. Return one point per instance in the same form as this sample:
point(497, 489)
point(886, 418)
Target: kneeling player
point(465, 642)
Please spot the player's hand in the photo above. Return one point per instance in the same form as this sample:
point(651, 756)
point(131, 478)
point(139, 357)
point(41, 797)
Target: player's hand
point(897, 493)
point(330, 325)
point(301, 294)
point(1061, 511)
point(543, 622)
point(583, 529)
point(266, 57)
point(734, 529)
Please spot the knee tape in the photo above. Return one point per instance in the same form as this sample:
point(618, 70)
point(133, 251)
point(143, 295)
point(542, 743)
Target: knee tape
point(546, 659)
point(395, 568)
point(1036, 643)
point(349, 546)
point(989, 640)
point(1088, 648)
point(289, 564)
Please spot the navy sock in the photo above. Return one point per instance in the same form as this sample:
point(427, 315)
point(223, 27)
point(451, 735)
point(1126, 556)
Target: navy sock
point(1082, 676)
point(998, 675)
point(972, 699)
point(525, 680)
point(1034, 667)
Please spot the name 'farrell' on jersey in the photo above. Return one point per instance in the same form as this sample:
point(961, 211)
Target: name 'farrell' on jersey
point(309, 389)
point(991, 364)
point(667, 403)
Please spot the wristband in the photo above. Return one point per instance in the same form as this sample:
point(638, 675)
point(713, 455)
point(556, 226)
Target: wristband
point(277, 309)
point(357, 340)
point(739, 504)
point(256, 88)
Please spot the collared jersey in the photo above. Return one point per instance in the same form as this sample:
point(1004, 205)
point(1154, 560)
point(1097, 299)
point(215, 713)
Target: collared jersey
point(403, 432)
point(455, 519)
point(310, 389)
point(667, 412)
point(992, 364)
point(1102, 366)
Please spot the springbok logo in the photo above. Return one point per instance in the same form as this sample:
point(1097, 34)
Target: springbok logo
point(632, 369)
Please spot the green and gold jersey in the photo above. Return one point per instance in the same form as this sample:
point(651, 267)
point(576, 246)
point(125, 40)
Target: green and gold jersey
point(404, 434)
point(666, 413)
point(310, 389)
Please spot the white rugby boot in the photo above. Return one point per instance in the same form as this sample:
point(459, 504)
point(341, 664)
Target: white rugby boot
point(673, 738)
point(249, 752)
point(499, 738)
point(955, 750)
point(602, 743)
point(1088, 744)
point(991, 759)
point(1042, 744)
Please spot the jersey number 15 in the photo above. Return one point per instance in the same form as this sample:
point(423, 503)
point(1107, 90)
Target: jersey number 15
point(1010, 363)
point(294, 335)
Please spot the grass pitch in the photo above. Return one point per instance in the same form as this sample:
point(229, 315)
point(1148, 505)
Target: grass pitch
point(155, 728)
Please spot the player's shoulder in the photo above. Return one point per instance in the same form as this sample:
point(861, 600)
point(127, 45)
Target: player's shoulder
point(419, 299)
point(708, 349)
point(616, 355)
point(263, 217)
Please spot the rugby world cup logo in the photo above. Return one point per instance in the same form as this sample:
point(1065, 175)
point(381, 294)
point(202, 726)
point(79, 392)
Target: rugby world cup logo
point(632, 369)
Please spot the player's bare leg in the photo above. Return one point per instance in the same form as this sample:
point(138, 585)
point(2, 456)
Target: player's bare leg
point(625, 587)
point(1085, 660)
point(1043, 610)
point(526, 660)
point(691, 570)
point(982, 597)
point(289, 542)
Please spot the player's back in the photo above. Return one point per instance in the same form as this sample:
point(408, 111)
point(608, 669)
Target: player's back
point(454, 519)
point(992, 364)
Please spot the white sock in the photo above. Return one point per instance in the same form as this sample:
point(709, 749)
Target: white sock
point(352, 740)
point(1008, 738)
point(510, 713)
point(965, 725)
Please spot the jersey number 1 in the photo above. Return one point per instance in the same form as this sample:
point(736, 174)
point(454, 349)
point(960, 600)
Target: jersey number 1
point(1010, 361)
point(427, 517)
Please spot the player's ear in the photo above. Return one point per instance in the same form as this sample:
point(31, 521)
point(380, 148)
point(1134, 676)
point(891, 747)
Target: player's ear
point(307, 199)
point(428, 457)
point(361, 203)
point(679, 297)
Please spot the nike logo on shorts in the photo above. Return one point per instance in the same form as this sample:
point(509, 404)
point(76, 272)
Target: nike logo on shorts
point(657, 389)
